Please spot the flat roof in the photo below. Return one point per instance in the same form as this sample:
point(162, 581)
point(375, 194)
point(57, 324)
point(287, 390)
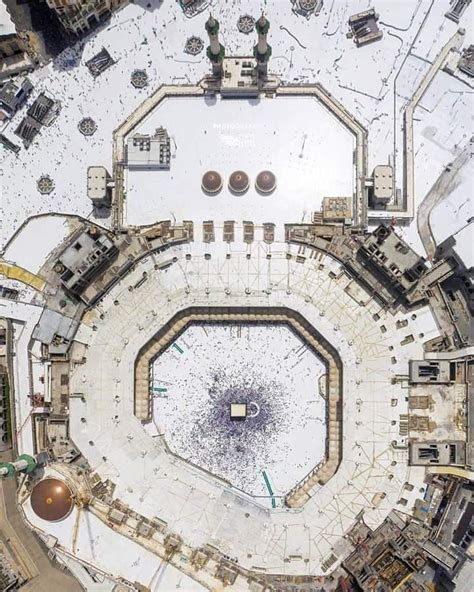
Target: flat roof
point(311, 156)
point(340, 67)
point(96, 182)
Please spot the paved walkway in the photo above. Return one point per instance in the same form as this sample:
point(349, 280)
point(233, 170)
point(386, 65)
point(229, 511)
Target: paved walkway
point(15, 272)
point(442, 188)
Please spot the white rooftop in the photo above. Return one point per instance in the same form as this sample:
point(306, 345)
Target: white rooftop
point(313, 50)
point(7, 26)
point(311, 156)
point(151, 480)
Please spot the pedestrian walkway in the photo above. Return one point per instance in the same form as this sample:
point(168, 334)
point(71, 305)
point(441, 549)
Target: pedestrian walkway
point(13, 272)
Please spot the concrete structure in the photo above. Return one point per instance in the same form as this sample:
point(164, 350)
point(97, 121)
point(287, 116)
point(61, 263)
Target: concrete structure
point(88, 254)
point(15, 47)
point(191, 276)
point(439, 418)
point(383, 183)
point(144, 151)
point(13, 95)
point(364, 28)
point(136, 330)
point(457, 9)
point(319, 117)
point(437, 453)
point(99, 189)
point(466, 61)
point(44, 109)
point(430, 371)
point(238, 411)
point(401, 267)
point(386, 557)
point(337, 210)
point(240, 78)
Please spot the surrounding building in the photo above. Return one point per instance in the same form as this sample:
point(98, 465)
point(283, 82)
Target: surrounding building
point(88, 254)
point(13, 94)
point(438, 421)
point(386, 255)
point(466, 61)
point(457, 9)
point(99, 186)
point(387, 558)
point(78, 16)
point(15, 47)
point(149, 151)
point(364, 28)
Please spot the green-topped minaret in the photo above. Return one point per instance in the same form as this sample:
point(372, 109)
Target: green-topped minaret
point(262, 51)
point(215, 51)
point(23, 464)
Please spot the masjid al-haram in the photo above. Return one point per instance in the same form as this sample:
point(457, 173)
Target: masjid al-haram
point(236, 296)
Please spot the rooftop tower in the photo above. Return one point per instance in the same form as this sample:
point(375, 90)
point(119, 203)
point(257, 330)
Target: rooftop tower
point(23, 464)
point(215, 51)
point(262, 51)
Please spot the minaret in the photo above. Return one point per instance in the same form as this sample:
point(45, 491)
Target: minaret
point(215, 51)
point(262, 51)
point(23, 464)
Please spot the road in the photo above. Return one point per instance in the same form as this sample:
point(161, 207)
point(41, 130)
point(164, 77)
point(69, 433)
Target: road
point(444, 185)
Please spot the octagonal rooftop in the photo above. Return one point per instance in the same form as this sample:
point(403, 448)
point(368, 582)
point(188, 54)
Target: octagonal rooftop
point(266, 367)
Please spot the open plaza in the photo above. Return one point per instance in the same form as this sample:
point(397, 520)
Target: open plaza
point(311, 155)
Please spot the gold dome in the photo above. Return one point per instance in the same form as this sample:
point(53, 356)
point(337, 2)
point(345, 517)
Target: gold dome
point(51, 499)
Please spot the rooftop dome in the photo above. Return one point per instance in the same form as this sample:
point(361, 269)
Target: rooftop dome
point(51, 499)
point(265, 182)
point(211, 182)
point(239, 182)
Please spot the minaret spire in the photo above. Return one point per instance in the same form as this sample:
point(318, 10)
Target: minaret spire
point(262, 51)
point(215, 51)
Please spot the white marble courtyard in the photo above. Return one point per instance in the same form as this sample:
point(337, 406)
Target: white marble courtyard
point(266, 367)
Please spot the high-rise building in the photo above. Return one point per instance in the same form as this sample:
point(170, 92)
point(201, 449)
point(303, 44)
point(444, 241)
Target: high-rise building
point(14, 47)
point(78, 16)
